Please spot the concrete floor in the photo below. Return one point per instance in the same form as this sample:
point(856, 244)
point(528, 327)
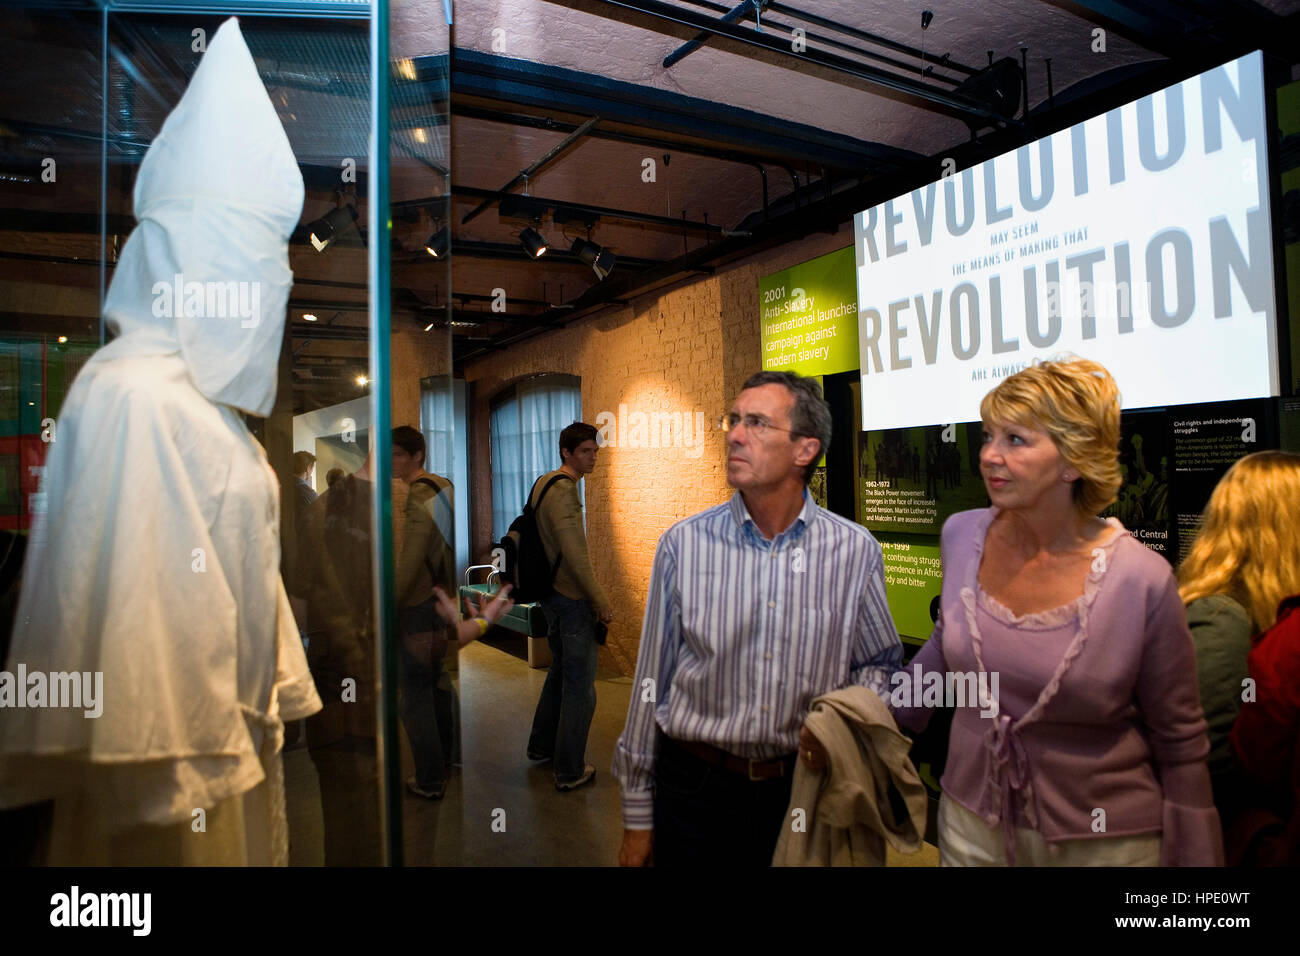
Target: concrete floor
point(500, 809)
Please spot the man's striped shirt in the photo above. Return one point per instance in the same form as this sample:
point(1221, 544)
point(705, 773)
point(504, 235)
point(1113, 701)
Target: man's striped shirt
point(742, 633)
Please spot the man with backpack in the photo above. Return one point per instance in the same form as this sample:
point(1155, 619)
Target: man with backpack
point(574, 607)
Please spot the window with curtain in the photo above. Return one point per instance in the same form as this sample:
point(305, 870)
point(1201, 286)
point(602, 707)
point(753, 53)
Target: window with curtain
point(442, 421)
point(438, 423)
point(524, 433)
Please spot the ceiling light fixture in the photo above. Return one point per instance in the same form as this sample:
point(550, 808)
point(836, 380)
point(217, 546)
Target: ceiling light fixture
point(533, 242)
point(428, 327)
point(362, 381)
point(308, 317)
point(593, 254)
point(438, 243)
point(325, 230)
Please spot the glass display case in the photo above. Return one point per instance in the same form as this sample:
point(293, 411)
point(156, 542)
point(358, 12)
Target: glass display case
point(365, 349)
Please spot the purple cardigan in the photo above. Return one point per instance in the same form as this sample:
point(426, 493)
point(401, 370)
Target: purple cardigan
point(1098, 724)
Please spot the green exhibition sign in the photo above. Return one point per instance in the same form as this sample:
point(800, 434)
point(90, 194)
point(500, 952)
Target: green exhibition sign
point(912, 582)
point(809, 321)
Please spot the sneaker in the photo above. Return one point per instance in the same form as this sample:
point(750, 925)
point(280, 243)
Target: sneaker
point(534, 755)
point(413, 788)
point(588, 775)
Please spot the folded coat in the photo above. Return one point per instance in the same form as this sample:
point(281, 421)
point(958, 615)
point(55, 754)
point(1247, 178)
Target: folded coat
point(843, 815)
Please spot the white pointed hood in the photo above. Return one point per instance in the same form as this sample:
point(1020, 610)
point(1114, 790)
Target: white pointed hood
point(206, 271)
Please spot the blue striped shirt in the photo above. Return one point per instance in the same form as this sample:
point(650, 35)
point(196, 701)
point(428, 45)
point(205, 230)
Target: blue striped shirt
point(741, 633)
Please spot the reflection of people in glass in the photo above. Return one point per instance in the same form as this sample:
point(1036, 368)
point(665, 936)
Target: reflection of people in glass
point(1095, 706)
point(1244, 562)
point(335, 569)
point(425, 561)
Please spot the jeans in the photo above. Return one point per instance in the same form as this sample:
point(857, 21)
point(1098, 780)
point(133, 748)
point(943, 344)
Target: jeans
point(705, 816)
point(425, 704)
point(568, 699)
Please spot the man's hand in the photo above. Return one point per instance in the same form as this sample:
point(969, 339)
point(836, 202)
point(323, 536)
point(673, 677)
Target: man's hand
point(499, 608)
point(637, 848)
point(811, 752)
point(606, 615)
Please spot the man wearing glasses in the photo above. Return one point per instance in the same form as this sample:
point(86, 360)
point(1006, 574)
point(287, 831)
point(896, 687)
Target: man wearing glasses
point(755, 607)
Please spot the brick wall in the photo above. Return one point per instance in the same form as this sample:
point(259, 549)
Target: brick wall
point(682, 352)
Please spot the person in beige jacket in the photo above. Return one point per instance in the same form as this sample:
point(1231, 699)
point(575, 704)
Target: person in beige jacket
point(572, 611)
point(866, 793)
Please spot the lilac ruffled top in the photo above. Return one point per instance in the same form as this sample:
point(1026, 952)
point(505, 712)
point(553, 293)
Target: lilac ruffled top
point(1099, 730)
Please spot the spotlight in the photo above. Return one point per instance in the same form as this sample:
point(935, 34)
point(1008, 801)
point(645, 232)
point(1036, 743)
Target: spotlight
point(437, 244)
point(586, 250)
point(362, 381)
point(926, 17)
point(62, 339)
point(308, 317)
point(604, 264)
point(428, 327)
point(326, 230)
point(601, 260)
point(533, 242)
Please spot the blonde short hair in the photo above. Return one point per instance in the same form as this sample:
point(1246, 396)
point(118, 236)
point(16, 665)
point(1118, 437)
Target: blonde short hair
point(1076, 402)
point(1249, 543)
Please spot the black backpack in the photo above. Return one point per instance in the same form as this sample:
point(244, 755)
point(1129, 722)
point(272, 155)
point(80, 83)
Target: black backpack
point(523, 556)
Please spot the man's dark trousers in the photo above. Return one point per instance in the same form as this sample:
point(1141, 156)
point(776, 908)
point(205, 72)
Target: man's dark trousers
point(707, 816)
point(568, 699)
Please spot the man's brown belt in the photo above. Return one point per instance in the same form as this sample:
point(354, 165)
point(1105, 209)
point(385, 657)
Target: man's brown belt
point(769, 769)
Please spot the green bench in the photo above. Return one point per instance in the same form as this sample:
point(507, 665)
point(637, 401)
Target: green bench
point(525, 619)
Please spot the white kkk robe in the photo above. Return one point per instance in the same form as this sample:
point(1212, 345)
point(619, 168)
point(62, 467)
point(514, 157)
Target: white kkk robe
point(157, 561)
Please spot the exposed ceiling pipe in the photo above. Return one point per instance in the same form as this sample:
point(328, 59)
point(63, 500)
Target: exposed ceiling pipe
point(690, 46)
point(943, 62)
point(945, 102)
point(949, 103)
point(523, 174)
point(600, 212)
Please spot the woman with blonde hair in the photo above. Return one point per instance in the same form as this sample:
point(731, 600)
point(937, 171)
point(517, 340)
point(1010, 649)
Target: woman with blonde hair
point(1085, 745)
point(1244, 562)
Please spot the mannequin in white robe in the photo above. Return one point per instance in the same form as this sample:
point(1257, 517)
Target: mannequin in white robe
point(157, 560)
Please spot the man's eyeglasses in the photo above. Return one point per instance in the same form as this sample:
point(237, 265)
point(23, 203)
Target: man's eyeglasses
point(753, 423)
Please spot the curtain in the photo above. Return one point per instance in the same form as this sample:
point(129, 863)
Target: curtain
point(524, 434)
point(438, 422)
point(438, 425)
